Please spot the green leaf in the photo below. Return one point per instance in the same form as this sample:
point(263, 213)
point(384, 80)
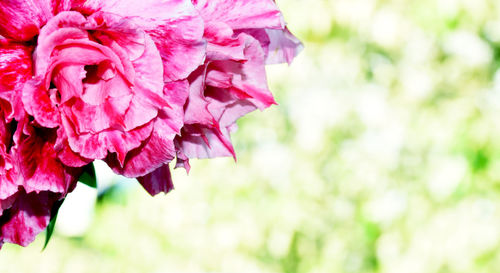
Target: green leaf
point(88, 176)
point(52, 223)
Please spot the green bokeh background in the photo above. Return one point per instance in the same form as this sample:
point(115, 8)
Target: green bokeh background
point(382, 156)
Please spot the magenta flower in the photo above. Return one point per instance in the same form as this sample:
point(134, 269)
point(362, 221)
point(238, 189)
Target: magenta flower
point(133, 83)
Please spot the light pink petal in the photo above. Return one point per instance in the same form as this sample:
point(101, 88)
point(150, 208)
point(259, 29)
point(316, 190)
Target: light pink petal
point(139, 112)
point(97, 88)
point(227, 109)
point(239, 14)
point(68, 78)
point(181, 46)
point(229, 88)
point(182, 160)
point(80, 53)
point(159, 180)
point(196, 109)
point(201, 142)
point(87, 7)
point(122, 83)
point(280, 44)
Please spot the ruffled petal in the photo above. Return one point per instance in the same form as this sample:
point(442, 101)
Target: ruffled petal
point(28, 216)
point(159, 148)
point(97, 146)
point(37, 103)
point(205, 142)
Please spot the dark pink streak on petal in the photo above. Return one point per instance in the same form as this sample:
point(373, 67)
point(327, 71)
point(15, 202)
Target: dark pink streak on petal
point(15, 70)
point(21, 20)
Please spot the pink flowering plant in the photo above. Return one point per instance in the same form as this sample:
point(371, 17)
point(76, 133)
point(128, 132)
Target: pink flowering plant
point(135, 83)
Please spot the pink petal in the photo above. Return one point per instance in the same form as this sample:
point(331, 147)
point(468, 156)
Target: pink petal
point(202, 142)
point(37, 103)
point(38, 162)
point(240, 14)
point(97, 146)
point(196, 109)
point(8, 170)
point(29, 215)
point(70, 158)
point(159, 148)
point(159, 180)
point(97, 118)
point(222, 45)
point(148, 88)
point(249, 78)
point(182, 160)
point(280, 44)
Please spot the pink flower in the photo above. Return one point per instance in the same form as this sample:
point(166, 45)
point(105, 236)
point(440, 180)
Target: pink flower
point(134, 83)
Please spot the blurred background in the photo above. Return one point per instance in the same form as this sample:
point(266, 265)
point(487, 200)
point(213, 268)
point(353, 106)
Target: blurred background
point(383, 156)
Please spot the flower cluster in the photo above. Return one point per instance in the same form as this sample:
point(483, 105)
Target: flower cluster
point(135, 83)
